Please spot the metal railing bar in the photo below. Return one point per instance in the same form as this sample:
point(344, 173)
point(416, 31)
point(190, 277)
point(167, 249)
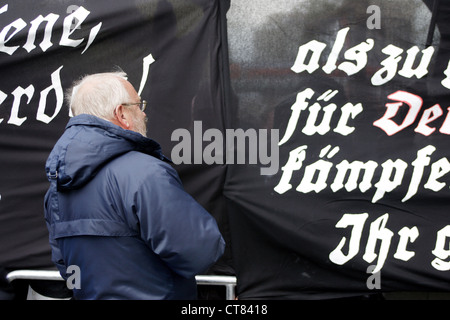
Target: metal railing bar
point(48, 275)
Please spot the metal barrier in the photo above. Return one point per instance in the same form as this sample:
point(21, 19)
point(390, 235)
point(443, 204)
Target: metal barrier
point(48, 275)
point(228, 281)
point(33, 275)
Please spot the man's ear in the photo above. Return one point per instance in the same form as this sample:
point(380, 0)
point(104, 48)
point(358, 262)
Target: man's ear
point(121, 117)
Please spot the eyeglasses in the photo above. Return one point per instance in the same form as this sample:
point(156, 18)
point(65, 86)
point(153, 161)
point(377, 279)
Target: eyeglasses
point(142, 105)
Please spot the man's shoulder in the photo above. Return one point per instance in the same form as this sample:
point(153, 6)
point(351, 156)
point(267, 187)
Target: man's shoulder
point(141, 163)
point(136, 170)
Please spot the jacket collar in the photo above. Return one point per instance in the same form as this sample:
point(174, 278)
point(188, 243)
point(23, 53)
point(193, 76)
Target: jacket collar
point(87, 144)
point(142, 144)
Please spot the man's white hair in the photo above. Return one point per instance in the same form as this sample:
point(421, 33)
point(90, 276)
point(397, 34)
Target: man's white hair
point(98, 94)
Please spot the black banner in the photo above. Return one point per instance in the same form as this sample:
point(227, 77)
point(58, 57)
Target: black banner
point(172, 53)
point(315, 132)
point(359, 92)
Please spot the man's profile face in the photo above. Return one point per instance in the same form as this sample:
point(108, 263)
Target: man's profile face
point(139, 118)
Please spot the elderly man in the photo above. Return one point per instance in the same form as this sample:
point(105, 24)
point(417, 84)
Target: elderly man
point(116, 209)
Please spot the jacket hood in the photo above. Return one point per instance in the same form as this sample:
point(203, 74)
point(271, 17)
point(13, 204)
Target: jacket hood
point(87, 144)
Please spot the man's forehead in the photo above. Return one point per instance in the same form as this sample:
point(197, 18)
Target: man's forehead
point(131, 90)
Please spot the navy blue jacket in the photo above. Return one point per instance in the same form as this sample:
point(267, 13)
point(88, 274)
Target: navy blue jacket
point(117, 210)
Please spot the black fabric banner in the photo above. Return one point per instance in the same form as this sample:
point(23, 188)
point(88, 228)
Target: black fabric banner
point(172, 53)
point(358, 92)
point(314, 131)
